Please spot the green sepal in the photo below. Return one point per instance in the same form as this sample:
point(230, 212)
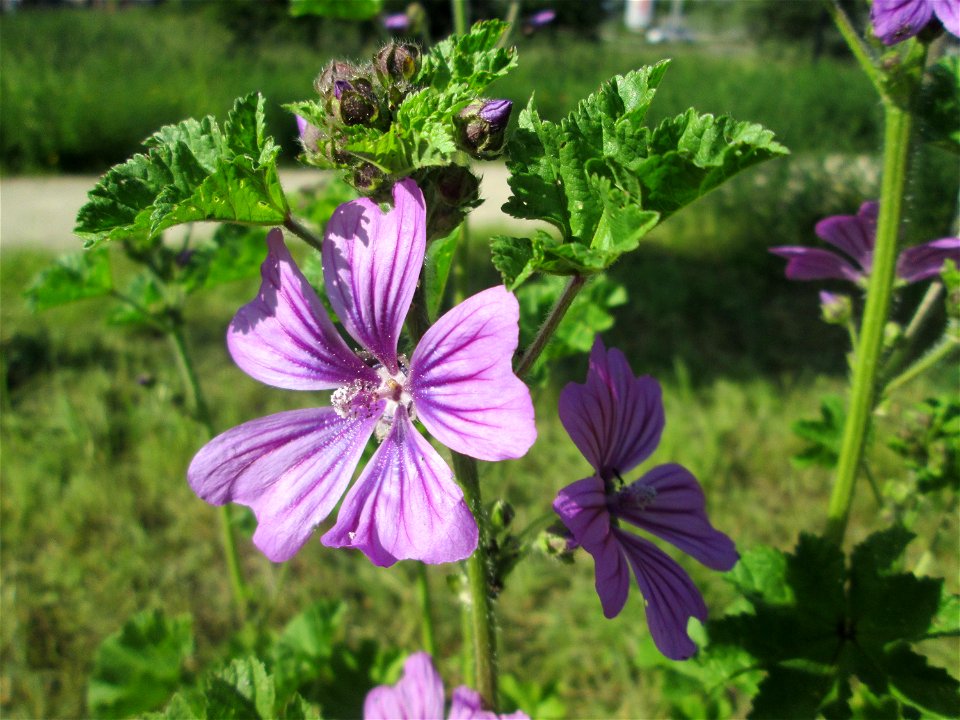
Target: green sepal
point(191, 171)
point(78, 276)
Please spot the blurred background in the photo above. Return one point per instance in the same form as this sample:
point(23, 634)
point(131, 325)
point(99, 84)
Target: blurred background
point(97, 519)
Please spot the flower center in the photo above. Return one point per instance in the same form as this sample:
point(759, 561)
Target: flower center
point(635, 496)
point(362, 398)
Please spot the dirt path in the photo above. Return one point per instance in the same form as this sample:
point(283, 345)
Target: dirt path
point(41, 211)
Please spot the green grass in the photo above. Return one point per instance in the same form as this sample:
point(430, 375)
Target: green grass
point(82, 89)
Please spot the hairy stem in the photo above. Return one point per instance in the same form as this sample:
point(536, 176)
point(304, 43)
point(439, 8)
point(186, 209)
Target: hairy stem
point(942, 350)
point(191, 383)
point(879, 290)
point(856, 45)
point(549, 326)
point(298, 229)
point(482, 620)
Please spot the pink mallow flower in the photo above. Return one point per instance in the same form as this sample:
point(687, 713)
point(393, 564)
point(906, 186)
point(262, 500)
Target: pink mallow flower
point(293, 467)
point(855, 236)
point(615, 420)
point(897, 20)
point(418, 695)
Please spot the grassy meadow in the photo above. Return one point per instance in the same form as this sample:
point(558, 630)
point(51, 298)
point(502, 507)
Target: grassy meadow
point(97, 518)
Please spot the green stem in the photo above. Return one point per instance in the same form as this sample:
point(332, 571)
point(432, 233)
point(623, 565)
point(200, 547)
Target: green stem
point(879, 290)
point(513, 12)
point(482, 620)
point(549, 326)
point(857, 46)
point(426, 610)
point(202, 413)
point(920, 317)
point(303, 233)
point(459, 8)
point(940, 352)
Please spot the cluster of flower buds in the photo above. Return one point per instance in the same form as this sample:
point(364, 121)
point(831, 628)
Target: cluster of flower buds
point(483, 127)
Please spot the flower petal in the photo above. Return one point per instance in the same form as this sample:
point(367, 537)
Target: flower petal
point(284, 338)
point(291, 468)
point(816, 264)
point(615, 419)
point(677, 513)
point(371, 262)
point(924, 261)
point(853, 234)
point(896, 20)
point(672, 598)
point(462, 381)
point(418, 694)
point(949, 13)
point(467, 704)
point(405, 506)
point(582, 506)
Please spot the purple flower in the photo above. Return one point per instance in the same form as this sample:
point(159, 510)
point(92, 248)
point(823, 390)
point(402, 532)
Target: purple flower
point(496, 113)
point(855, 236)
point(897, 20)
point(293, 467)
point(539, 19)
point(418, 695)
point(615, 419)
point(398, 22)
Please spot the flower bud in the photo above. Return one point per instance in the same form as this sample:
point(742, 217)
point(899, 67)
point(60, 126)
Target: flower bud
point(334, 71)
point(501, 514)
point(309, 135)
point(835, 309)
point(397, 62)
point(483, 127)
point(358, 103)
point(367, 178)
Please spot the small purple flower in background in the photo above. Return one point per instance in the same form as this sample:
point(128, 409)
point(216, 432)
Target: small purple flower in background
point(537, 20)
point(855, 236)
point(293, 467)
point(396, 22)
point(418, 695)
point(897, 20)
point(615, 420)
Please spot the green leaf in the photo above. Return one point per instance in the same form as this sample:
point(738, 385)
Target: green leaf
point(922, 684)
point(947, 619)
point(537, 701)
point(788, 693)
point(337, 9)
point(472, 60)
point(518, 258)
point(137, 668)
point(144, 304)
point(761, 574)
point(939, 104)
point(243, 687)
point(191, 171)
point(439, 260)
point(72, 277)
point(823, 435)
point(306, 645)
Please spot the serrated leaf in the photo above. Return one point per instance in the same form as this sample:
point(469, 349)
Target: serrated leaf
point(788, 693)
point(249, 679)
point(192, 171)
point(472, 59)
point(947, 619)
point(517, 258)
point(137, 668)
point(337, 9)
point(823, 435)
point(929, 687)
point(72, 277)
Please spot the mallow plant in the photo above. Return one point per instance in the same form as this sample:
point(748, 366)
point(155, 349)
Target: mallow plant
point(434, 387)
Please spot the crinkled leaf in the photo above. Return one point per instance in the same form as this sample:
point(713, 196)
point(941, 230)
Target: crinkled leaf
point(761, 574)
point(518, 258)
point(472, 59)
point(191, 171)
point(137, 668)
point(788, 693)
point(337, 9)
point(243, 687)
point(927, 686)
point(823, 435)
point(72, 277)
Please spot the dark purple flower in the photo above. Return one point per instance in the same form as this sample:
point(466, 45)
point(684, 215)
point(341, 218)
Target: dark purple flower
point(497, 113)
point(293, 467)
point(615, 419)
point(855, 236)
point(418, 695)
point(897, 20)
